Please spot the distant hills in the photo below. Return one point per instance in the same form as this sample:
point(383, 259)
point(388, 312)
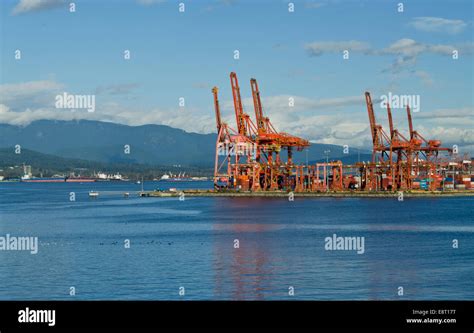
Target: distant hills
point(157, 145)
point(11, 165)
point(104, 142)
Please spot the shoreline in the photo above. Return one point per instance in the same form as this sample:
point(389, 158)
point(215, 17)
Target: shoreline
point(281, 194)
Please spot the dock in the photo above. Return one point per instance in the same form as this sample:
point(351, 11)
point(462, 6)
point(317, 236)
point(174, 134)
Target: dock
point(282, 194)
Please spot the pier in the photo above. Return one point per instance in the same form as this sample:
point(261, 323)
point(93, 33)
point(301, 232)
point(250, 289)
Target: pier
point(282, 194)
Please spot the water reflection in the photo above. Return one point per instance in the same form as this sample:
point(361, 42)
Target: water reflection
point(244, 264)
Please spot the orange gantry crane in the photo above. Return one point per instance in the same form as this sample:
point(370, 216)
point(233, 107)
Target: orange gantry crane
point(245, 126)
point(380, 139)
point(260, 144)
point(372, 173)
point(270, 142)
point(425, 155)
point(391, 154)
point(249, 157)
point(232, 149)
point(400, 174)
point(399, 159)
point(429, 148)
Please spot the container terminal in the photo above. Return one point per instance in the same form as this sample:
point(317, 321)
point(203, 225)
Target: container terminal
point(254, 159)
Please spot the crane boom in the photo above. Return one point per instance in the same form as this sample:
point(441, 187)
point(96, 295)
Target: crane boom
point(217, 109)
point(410, 123)
point(258, 106)
point(370, 110)
point(239, 111)
point(390, 120)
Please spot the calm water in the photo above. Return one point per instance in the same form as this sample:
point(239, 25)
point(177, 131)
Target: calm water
point(190, 244)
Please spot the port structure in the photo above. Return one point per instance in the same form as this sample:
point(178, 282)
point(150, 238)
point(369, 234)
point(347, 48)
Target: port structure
point(399, 161)
point(391, 155)
point(250, 157)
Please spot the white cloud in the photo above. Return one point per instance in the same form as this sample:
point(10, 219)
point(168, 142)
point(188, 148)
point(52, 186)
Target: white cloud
point(27, 116)
point(339, 120)
point(405, 50)
point(9, 92)
point(449, 136)
point(450, 125)
point(306, 118)
point(343, 120)
point(455, 113)
point(405, 46)
point(32, 94)
point(188, 119)
point(25, 6)
point(438, 24)
point(411, 48)
point(280, 103)
point(319, 120)
point(319, 48)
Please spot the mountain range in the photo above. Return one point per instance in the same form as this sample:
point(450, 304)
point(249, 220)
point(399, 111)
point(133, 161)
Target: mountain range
point(148, 144)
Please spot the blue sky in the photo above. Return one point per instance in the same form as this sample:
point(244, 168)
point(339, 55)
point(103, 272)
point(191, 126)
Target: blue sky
point(295, 55)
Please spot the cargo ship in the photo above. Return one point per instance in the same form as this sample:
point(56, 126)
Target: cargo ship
point(180, 178)
point(28, 179)
point(80, 180)
point(57, 179)
point(103, 177)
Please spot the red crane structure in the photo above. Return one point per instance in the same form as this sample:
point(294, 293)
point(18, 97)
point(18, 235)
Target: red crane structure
point(372, 173)
point(380, 140)
point(275, 173)
point(428, 148)
point(233, 150)
point(400, 175)
point(263, 168)
point(425, 155)
point(399, 162)
point(249, 157)
point(245, 126)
